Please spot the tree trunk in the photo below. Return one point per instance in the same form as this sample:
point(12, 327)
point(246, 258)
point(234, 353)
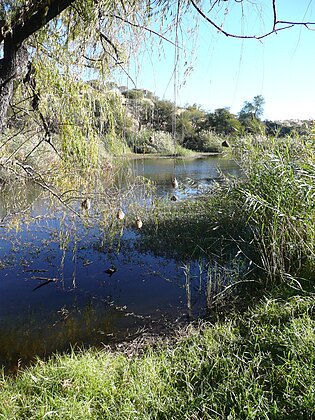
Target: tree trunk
point(15, 57)
point(13, 65)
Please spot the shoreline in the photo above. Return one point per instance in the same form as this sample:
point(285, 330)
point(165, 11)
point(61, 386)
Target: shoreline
point(194, 155)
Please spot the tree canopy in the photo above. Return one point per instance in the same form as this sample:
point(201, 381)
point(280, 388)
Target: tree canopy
point(250, 115)
point(50, 48)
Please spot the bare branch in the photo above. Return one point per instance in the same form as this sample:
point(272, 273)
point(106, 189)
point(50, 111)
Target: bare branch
point(284, 22)
point(274, 30)
point(34, 148)
point(216, 1)
point(274, 14)
point(110, 42)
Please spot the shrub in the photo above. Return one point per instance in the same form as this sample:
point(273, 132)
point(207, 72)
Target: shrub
point(150, 141)
point(205, 141)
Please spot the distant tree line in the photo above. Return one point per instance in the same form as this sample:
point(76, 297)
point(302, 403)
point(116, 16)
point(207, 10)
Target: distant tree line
point(197, 129)
point(192, 126)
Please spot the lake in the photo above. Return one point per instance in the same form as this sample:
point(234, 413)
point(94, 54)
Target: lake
point(66, 281)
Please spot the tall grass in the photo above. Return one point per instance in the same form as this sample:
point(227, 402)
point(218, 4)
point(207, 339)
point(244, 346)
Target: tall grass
point(267, 217)
point(277, 196)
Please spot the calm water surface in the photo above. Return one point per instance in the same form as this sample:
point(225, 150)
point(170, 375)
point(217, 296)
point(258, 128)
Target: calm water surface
point(194, 175)
point(55, 288)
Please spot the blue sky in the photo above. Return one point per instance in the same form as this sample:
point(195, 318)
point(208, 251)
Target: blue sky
point(228, 71)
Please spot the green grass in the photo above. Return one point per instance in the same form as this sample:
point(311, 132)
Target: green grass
point(277, 197)
point(199, 227)
point(260, 365)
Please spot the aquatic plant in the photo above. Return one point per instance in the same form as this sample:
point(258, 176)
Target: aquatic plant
point(277, 196)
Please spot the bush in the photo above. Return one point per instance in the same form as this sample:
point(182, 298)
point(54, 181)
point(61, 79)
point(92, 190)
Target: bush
point(205, 141)
point(150, 141)
point(115, 145)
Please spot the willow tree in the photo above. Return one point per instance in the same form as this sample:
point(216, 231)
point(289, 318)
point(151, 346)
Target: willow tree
point(51, 47)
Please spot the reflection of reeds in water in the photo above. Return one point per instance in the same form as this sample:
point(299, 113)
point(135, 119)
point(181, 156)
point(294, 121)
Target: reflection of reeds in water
point(219, 281)
point(222, 282)
point(186, 269)
point(211, 285)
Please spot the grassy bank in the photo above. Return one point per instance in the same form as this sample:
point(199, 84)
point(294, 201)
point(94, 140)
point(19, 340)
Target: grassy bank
point(260, 365)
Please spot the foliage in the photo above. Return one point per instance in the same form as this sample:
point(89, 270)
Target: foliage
point(86, 41)
point(222, 121)
point(115, 145)
point(163, 116)
point(193, 127)
point(251, 124)
point(250, 114)
point(277, 195)
point(254, 108)
point(142, 141)
point(135, 94)
point(187, 123)
point(259, 365)
point(205, 141)
point(288, 128)
point(150, 141)
point(75, 40)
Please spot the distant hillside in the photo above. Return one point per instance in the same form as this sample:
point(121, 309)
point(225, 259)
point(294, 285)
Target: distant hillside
point(285, 127)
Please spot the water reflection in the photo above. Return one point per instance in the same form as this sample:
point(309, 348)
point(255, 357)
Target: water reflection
point(195, 175)
point(56, 287)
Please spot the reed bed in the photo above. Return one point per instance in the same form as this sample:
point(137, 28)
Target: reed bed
point(277, 197)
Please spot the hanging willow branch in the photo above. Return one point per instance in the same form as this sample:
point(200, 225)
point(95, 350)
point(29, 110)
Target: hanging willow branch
point(145, 28)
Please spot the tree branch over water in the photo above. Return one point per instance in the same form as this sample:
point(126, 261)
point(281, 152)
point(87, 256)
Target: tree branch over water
point(275, 28)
